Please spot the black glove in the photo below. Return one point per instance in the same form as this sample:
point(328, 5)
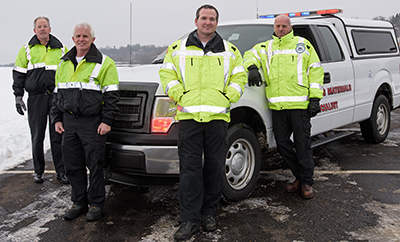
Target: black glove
point(254, 78)
point(19, 104)
point(313, 107)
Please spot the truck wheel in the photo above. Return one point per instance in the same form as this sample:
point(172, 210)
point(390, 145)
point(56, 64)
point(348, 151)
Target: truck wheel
point(376, 128)
point(243, 162)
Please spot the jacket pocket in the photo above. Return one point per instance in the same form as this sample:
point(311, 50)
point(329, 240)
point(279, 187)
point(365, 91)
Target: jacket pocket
point(91, 102)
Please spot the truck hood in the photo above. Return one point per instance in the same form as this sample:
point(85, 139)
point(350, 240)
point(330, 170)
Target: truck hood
point(143, 73)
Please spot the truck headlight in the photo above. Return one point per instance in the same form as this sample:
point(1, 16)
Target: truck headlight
point(163, 115)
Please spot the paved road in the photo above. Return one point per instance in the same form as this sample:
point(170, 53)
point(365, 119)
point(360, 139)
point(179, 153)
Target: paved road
point(357, 199)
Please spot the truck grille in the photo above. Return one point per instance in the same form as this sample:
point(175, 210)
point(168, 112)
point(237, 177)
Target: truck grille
point(131, 106)
point(135, 104)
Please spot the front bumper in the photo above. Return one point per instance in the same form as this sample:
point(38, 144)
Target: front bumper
point(154, 160)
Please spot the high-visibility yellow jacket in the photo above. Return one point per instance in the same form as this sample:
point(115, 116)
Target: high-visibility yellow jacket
point(36, 65)
point(90, 87)
point(292, 71)
point(204, 81)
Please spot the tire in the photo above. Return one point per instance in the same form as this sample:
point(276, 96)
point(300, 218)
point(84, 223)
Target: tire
point(376, 128)
point(243, 163)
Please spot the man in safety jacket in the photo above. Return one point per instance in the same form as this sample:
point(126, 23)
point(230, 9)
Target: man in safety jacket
point(204, 74)
point(33, 72)
point(84, 108)
point(294, 78)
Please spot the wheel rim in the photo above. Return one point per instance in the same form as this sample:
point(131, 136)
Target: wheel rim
point(382, 119)
point(240, 163)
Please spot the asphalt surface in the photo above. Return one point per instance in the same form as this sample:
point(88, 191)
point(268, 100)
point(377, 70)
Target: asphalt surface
point(357, 198)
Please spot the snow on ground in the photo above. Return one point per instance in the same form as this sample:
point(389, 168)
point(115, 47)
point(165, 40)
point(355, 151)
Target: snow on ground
point(15, 139)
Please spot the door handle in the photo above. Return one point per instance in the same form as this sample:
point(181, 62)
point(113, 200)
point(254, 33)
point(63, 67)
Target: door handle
point(327, 77)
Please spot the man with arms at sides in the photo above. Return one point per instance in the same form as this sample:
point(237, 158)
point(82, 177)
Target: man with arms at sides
point(84, 108)
point(204, 74)
point(294, 87)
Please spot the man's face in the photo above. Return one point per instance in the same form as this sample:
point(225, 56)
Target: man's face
point(207, 22)
point(82, 39)
point(282, 26)
point(42, 29)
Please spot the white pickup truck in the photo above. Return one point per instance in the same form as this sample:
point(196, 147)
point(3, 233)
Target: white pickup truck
point(361, 61)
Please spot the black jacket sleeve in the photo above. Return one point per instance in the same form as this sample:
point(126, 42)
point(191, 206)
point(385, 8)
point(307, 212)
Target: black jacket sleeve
point(110, 107)
point(19, 83)
point(56, 115)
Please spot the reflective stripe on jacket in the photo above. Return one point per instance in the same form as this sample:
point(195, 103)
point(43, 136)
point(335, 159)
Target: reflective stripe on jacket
point(87, 88)
point(35, 66)
point(203, 80)
point(292, 70)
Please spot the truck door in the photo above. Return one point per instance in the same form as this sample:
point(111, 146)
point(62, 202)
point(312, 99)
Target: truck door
point(337, 104)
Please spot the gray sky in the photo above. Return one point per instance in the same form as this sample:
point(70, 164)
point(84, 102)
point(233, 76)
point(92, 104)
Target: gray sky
point(158, 22)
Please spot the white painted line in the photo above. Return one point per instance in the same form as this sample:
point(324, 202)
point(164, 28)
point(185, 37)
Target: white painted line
point(27, 172)
point(359, 172)
point(339, 172)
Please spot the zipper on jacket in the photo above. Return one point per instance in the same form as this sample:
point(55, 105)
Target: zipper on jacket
point(219, 61)
point(192, 61)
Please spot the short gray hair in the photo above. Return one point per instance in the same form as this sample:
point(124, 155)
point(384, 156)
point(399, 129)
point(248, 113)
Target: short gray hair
point(86, 25)
point(40, 17)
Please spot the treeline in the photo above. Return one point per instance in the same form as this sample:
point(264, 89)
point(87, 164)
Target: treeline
point(394, 19)
point(140, 54)
point(134, 54)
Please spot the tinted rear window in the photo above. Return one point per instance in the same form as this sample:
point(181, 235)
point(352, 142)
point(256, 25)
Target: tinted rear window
point(373, 42)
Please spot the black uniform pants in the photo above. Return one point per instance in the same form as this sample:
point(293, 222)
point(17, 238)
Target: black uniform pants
point(83, 148)
point(201, 186)
point(38, 113)
point(300, 160)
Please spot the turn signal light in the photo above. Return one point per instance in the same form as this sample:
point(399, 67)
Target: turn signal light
point(161, 125)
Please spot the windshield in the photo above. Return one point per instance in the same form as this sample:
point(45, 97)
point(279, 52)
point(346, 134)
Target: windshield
point(242, 36)
point(246, 36)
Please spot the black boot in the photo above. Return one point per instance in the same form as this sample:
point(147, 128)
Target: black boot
point(186, 230)
point(94, 214)
point(75, 211)
point(39, 178)
point(62, 178)
point(208, 223)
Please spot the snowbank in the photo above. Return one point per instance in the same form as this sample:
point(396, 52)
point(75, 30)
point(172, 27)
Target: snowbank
point(15, 139)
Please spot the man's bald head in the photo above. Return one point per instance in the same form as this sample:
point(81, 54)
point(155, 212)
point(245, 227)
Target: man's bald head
point(282, 25)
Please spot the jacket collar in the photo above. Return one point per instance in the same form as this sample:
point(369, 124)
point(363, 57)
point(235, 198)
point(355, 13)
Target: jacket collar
point(215, 44)
point(54, 43)
point(93, 55)
point(285, 39)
